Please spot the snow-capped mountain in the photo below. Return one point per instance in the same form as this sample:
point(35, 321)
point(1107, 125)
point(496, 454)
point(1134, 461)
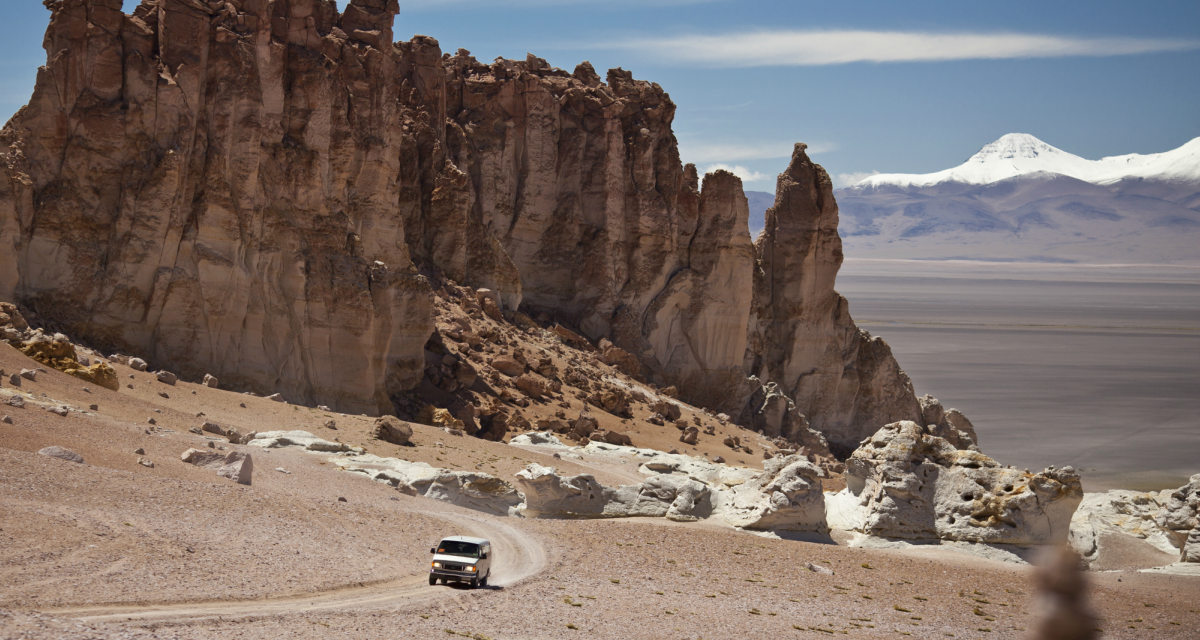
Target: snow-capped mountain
point(1018, 154)
point(1019, 198)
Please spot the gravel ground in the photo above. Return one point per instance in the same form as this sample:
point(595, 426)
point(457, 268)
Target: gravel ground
point(113, 532)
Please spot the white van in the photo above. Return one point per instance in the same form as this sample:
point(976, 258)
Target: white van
point(461, 559)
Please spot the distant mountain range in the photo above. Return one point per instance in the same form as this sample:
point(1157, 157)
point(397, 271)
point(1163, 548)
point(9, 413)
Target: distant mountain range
point(1020, 199)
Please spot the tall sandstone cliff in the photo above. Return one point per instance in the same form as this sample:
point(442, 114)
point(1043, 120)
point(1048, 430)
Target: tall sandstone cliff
point(254, 188)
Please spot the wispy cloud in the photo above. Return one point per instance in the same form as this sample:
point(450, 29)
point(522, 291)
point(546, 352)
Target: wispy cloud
point(742, 172)
point(406, 5)
point(741, 151)
point(849, 179)
point(810, 48)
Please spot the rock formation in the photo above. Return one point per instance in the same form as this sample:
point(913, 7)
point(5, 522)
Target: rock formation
point(235, 465)
point(471, 489)
point(1181, 518)
point(801, 335)
point(62, 454)
point(1131, 513)
point(787, 496)
point(549, 494)
point(262, 191)
point(219, 192)
point(905, 482)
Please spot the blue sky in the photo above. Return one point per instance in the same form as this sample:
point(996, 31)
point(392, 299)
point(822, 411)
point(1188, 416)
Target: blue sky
point(884, 86)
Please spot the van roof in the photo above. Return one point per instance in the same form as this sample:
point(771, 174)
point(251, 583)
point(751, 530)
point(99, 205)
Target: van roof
point(480, 541)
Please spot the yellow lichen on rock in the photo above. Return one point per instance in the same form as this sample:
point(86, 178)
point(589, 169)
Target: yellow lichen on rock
point(436, 417)
point(99, 374)
point(59, 353)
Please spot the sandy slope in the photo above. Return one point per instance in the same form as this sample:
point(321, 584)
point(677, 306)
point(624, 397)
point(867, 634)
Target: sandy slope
point(175, 551)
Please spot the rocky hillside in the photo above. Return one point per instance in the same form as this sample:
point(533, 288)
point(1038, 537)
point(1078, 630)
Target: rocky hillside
point(271, 192)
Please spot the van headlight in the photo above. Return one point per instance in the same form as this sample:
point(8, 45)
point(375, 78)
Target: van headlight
point(437, 565)
point(471, 568)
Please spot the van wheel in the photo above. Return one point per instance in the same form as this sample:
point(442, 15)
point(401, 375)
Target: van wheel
point(432, 579)
point(483, 580)
point(474, 583)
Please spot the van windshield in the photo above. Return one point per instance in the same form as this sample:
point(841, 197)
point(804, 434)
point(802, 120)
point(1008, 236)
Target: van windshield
point(455, 548)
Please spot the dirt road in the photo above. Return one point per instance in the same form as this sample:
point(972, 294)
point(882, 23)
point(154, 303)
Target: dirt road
point(518, 556)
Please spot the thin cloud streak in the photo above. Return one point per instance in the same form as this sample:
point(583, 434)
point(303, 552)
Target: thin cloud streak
point(815, 48)
point(406, 5)
point(713, 153)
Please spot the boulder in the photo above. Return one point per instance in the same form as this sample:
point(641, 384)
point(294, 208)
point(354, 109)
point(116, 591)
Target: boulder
point(1180, 517)
point(532, 385)
point(137, 364)
point(16, 401)
point(392, 429)
point(277, 397)
point(303, 439)
point(570, 337)
point(10, 317)
point(584, 425)
point(62, 454)
point(536, 438)
point(613, 437)
point(212, 427)
point(29, 374)
point(950, 425)
point(816, 568)
point(1191, 548)
point(235, 465)
point(508, 366)
point(471, 489)
point(690, 436)
point(166, 377)
point(549, 494)
point(612, 400)
point(15, 380)
point(787, 496)
point(210, 381)
point(59, 411)
point(482, 295)
point(774, 414)
point(465, 374)
point(668, 410)
point(202, 458)
point(1132, 513)
point(904, 482)
point(619, 359)
point(238, 467)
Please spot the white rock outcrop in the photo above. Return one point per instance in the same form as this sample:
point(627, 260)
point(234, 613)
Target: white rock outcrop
point(1180, 517)
point(62, 454)
point(235, 465)
point(653, 462)
point(904, 482)
point(304, 439)
point(479, 491)
point(537, 438)
point(549, 494)
point(786, 496)
point(1129, 512)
